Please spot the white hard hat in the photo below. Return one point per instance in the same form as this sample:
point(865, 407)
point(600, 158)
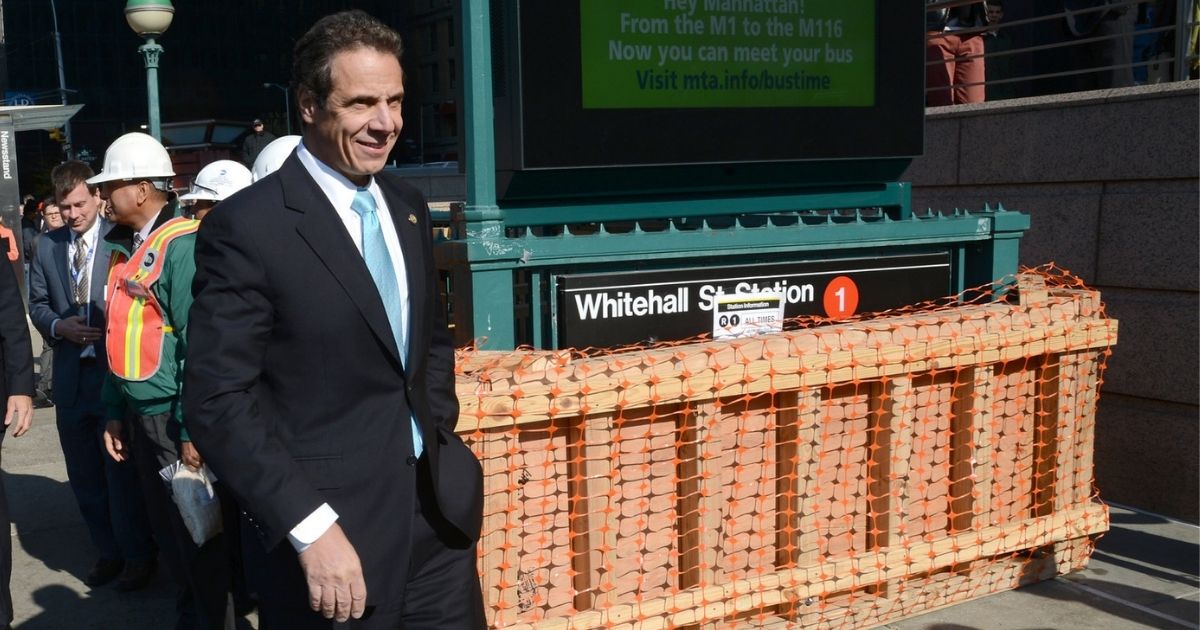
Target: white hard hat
point(134, 156)
point(217, 181)
point(273, 156)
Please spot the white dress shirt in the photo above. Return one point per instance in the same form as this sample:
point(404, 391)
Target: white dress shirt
point(88, 240)
point(148, 228)
point(340, 193)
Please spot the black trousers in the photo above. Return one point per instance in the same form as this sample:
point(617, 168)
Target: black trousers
point(201, 573)
point(441, 591)
point(107, 492)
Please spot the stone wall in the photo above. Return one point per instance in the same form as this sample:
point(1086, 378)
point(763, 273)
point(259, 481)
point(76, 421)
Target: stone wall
point(1111, 181)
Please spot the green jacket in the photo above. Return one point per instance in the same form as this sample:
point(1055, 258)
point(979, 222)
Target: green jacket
point(161, 393)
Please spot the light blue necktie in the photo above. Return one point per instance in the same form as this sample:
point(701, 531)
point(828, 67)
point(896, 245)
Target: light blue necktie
point(379, 263)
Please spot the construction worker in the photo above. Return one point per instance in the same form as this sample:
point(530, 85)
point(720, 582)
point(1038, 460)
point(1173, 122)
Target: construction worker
point(214, 183)
point(149, 293)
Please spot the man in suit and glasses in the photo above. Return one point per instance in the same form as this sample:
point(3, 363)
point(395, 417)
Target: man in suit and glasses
point(66, 304)
point(320, 373)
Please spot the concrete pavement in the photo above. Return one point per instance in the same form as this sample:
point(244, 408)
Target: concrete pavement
point(51, 550)
point(1144, 573)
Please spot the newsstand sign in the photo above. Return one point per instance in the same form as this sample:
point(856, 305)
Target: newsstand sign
point(614, 309)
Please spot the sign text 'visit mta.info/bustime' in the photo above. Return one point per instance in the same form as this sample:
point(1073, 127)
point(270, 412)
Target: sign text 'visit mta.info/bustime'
point(727, 53)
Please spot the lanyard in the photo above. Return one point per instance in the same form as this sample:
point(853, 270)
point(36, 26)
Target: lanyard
point(87, 261)
point(75, 273)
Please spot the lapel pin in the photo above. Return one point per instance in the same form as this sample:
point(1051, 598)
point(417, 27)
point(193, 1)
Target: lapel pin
point(412, 218)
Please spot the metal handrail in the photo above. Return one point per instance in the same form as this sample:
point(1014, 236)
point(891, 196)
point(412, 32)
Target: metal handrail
point(1180, 57)
point(1067, 44)
point(1040, 18)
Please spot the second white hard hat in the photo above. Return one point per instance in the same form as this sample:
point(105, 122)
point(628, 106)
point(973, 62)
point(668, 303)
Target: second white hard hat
point(273, 156)
point(217, 181)
point(134, 156)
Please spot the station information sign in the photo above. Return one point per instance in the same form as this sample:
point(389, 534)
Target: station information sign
point(607, 97)
point(727, 53)
point(612, 309)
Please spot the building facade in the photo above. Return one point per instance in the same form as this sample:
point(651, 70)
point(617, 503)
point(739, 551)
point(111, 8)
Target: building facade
point(217, 56)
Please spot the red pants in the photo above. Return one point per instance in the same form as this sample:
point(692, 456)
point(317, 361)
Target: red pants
point(947, 82)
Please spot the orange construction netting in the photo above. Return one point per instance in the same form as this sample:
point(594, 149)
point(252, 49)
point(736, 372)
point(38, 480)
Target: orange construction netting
point(837, 474)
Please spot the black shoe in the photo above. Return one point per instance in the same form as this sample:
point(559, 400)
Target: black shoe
point(41, 400)
point(104, 571)
point(136, 575)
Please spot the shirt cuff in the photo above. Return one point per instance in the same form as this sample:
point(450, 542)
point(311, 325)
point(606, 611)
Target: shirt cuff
point(54, 329)
point(312, 527)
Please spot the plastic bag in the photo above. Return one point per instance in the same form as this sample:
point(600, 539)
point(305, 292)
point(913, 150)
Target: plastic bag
point(197, 501)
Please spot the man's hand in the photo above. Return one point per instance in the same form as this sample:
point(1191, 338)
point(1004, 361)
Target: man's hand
point(114, 442)
point(74, 329)
point(19, 414)
point(336, 587)
point(190, 456)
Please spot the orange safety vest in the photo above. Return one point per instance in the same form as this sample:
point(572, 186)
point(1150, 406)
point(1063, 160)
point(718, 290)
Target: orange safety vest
point(136, 326)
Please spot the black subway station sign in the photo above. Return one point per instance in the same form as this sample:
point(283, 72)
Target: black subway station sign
point(612, 309)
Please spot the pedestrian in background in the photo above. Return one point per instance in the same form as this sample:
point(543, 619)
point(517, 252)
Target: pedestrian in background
point(31, 227)
point(214, 184)
point(254, 143)
point(954, 72)
point(51, 216)
point(1105, 30)
point(67, 305)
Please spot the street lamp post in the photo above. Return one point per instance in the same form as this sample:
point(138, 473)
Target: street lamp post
point(149, 19)
point(62, 81)
point(287, 103)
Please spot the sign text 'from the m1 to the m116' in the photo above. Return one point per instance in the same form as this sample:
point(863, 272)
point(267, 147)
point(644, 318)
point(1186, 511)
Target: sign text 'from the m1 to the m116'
point(727, 53)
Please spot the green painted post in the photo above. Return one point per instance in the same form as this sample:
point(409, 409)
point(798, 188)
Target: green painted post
point(993, 259)
point(149, 19)
point(1008, 228)
point(491, 292)
point(904, 193)
point(151, 52)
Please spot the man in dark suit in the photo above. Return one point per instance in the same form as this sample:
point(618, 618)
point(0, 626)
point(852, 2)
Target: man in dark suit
point(319, 381)
point(16, 388)
point(66, 304)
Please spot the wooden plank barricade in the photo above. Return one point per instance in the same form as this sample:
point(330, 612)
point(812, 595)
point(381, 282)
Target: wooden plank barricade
point(840, 475)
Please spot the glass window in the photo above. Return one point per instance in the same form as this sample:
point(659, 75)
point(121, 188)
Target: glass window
point(429, 78)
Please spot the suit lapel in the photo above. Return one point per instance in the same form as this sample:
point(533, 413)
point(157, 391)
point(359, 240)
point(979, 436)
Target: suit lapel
point(414, 267)
point(325, 233)
point(62, 254)
point(99, 276)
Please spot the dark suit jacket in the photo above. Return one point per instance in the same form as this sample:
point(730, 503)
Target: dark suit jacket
point(16, 351)
point(51, 298)
point(295, 393)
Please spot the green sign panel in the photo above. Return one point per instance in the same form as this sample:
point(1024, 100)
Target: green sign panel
point(727, 53)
